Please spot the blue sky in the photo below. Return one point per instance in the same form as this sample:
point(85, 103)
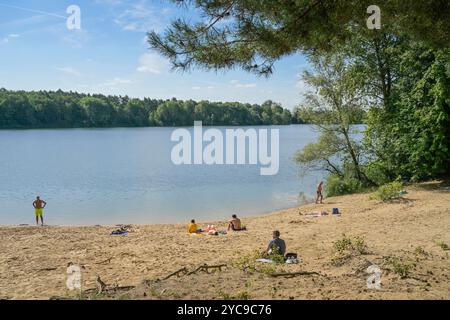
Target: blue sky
point(109, 55)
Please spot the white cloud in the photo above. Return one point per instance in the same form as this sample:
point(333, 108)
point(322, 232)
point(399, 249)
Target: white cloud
point(70, 71)
point(109, 2)
point(75, 38)
point(115, 82)
point(203, 88)
point(141, 17)
point(9, 37)
point(33, 11)
point(238, 84)
point(301, 86)
point(152, 63)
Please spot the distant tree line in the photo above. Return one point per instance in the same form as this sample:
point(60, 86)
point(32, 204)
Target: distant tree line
point(58, 109)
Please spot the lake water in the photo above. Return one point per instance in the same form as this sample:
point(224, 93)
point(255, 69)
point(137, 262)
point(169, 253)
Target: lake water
point(111, 176)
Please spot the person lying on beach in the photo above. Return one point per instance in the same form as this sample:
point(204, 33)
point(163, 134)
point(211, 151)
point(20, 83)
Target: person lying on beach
point(315, 213)
point(235, 224)
point(193, 228)
point(39, 206)
point(319, 193)
point(276, 247)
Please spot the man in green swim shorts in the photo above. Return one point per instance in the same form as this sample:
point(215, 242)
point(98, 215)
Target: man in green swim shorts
point(39, 205)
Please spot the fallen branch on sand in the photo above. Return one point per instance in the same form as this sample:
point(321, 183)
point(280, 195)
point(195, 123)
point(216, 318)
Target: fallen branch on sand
point(104, 261)
point(293, 274)
point(107, 290)
point(177, 273)
point(184, 271)
point(206, 268)
point(48, 269)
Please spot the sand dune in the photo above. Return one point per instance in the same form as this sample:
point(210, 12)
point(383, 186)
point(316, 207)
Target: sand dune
point(412, 231)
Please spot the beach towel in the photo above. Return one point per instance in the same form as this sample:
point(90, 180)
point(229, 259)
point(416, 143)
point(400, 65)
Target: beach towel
point(216, 232)
point(265, 260)
point(119, 233)
point(290, 260)
point(210, 233)
point(196, 234)
point(316, 214)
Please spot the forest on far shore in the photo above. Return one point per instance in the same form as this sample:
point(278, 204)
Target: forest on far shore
point(59, 109)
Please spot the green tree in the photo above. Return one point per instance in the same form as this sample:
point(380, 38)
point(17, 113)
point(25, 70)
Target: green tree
point(255, 34)
point(336, 96)
point(99, 113)
point(411, 139)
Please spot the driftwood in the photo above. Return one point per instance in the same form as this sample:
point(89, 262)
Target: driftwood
point(293, 274)
point(177, 273)
point(107, 290)
point(184, 271)
point(48, 269)
point(104, 261)
point(206, 268)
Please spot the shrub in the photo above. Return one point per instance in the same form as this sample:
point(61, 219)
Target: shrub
point(389, 191)
point(377, 172)
point(420, 251)
point(359, 245)
point(346, 248)
point(443, 245)
point(400, 268)
point(241, 295)
point(248, 262)
point(336, 186)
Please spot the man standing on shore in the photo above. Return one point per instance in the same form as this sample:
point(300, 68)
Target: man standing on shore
point(39, 205)
point(319, 193)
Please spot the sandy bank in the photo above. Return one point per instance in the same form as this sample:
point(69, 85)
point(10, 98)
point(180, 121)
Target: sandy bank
point(33, 260)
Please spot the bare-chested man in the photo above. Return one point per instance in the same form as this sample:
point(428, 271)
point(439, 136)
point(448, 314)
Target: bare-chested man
point(319, 193)
point(235, 224)
point(39, 205)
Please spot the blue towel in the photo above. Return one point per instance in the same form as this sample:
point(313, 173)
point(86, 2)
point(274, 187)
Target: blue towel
point(119, 232)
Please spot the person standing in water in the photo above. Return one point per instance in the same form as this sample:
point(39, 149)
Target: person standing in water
point(39, 205)
point(319, 192)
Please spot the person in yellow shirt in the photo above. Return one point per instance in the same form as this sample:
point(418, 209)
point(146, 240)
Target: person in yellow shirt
point(193, 228)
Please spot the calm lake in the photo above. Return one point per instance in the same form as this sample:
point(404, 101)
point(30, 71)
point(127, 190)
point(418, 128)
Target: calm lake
point(111, 176)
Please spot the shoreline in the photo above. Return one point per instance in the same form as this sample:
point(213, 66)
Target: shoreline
point(255, 215)
point(412, 231)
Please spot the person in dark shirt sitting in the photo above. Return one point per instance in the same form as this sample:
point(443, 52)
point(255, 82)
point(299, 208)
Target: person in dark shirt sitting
point(276, 246)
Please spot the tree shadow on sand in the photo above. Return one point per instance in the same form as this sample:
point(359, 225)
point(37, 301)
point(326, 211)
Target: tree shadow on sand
point(436, 186)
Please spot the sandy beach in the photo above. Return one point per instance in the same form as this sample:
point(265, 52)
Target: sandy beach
point(405, 238)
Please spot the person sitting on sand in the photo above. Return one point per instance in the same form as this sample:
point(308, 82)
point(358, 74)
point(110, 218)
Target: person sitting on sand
point(276, 245)
point(235, 224)
point(319, 192)
point(39, 205)
point(193, 228)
